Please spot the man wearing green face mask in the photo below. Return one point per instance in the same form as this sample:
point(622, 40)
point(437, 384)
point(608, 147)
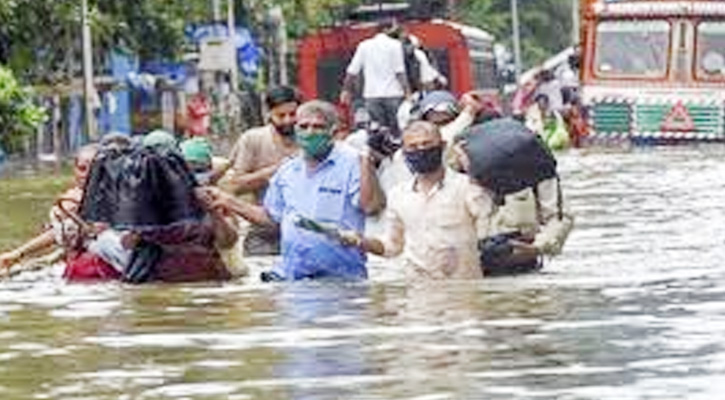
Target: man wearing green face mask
point(326, 183)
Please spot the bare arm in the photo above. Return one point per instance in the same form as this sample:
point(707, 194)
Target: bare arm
point(225, 234)
point(347, 85)
point(251, 212)
point(403, 79)
point(247, 182)
point(43, 242)
point(372, 198)
point(554, 230)
point(391, 245)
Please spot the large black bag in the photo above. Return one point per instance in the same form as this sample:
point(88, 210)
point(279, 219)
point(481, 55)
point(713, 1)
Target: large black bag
point(139, 188)
point(506, 157)
point(498, 259)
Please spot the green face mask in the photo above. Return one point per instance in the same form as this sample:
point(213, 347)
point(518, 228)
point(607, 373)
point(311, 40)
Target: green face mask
point(316, 144)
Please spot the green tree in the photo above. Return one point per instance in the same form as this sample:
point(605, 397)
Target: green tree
point(42, 37)
point(18, 115)
point(545, 25)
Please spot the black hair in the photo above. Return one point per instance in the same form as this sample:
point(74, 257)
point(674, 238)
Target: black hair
point(280, 95)
point(546, 75)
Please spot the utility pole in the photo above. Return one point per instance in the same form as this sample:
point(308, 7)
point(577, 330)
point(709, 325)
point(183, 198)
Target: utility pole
point(516, 37)
point(233, 74)
point(216, 10)
point(280, 35)
point(575, 22)
point(87, 72)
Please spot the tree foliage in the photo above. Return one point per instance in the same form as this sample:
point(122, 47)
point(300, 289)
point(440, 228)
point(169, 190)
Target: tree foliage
point(19, 116)
point(41, 39)
point(545, 25)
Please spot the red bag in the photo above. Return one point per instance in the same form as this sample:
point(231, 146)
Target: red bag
point(88, 267)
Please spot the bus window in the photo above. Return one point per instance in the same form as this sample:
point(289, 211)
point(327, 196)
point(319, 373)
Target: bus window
point(632, 49)
point(483, 64)
point(439, 59)
point(711, 50)
point(484, 72)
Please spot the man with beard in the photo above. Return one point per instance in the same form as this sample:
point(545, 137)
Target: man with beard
point(326, 184)
point(258, 154)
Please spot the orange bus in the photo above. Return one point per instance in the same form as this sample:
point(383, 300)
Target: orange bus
point(653, 70)
point(463, 54)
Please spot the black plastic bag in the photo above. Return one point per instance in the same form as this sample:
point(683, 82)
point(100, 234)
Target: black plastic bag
point(139, 188)
point(506, 157)
point(498, 259)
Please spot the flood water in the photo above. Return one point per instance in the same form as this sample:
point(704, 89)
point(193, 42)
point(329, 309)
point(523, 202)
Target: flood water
point(633, 309)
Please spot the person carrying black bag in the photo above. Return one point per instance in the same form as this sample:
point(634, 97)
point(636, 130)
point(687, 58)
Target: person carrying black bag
point(530, 221)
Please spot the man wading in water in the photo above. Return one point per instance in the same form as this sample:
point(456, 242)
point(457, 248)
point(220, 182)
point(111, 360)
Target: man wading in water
point(327, 183)
point(433, 219)
point(257, 155)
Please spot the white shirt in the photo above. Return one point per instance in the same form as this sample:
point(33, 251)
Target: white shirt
point(428, 74)
point(379, 58)
point(552, 90)
point(437, 232)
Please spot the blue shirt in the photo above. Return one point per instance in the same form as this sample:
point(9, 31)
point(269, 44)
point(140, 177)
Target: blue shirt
point(330, 194)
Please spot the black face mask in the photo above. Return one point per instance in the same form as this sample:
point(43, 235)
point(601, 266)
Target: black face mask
point(285, 130)
point(424, 161)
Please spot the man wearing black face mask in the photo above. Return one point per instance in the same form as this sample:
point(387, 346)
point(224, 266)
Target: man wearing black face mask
point(435, 219)
point(256, 157)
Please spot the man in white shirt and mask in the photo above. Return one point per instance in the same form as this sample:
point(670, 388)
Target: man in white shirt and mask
point(380, 61)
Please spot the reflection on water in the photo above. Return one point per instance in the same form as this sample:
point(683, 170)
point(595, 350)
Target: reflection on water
point(24, 204)
point(634, 309)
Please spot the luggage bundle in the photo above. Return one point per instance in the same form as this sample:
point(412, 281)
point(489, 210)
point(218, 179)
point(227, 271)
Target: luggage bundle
point(506, 157)
point(139, 188)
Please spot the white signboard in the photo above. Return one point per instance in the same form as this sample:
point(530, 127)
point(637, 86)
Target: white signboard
point(217, 54)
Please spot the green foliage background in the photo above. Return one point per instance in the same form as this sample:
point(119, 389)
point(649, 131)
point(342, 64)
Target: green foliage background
point(545, 25)
point(19, 116)
point(40, 40)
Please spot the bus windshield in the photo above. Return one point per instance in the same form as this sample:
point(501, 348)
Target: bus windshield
point(711, 50)
point(632, 49)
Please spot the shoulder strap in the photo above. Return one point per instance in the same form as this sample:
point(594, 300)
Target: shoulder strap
point(559, 199)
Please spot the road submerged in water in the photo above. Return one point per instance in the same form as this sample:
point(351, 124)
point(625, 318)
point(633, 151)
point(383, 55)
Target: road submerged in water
point(633, 309)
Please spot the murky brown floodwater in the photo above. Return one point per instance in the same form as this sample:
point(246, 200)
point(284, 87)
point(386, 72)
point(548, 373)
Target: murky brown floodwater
point(634, 309)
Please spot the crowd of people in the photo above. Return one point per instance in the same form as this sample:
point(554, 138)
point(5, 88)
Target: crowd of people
point(413, 188)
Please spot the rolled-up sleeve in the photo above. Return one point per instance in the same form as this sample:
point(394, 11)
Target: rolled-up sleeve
point(480, 207)
point(554, 230)
point(457, 126)
point(242, 155)
point(393, 239)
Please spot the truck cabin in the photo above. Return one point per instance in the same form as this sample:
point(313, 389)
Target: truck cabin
point(675, 43)
point(653, 71)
